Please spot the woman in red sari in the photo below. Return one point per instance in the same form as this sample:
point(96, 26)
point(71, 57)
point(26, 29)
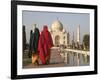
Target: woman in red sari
point(45, 43)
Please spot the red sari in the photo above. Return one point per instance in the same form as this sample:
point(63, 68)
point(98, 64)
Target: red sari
point(45, 43)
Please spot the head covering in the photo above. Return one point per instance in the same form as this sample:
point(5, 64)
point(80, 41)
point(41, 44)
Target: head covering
point(34, 26)
point(45, 28)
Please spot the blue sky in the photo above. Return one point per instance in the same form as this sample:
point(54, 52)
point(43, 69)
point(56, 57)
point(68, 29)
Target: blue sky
point(70, 21)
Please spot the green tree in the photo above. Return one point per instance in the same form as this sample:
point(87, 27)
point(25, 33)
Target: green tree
point(86, 41)
point(24, 38)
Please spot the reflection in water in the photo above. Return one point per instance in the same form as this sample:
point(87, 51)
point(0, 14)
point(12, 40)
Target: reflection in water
point(75, 59)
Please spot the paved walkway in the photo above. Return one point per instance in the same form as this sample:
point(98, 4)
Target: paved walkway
point(55, 61)
point(44, 66)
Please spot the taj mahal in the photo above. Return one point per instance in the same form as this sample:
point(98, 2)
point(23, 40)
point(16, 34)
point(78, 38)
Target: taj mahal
point(60, 35)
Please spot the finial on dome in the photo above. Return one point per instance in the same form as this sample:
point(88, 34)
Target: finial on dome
point(57, 18)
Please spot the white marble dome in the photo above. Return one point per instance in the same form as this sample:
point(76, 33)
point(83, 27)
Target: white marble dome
point(57, 26)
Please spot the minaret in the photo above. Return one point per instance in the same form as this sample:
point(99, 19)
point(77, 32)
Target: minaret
point(78, 34)
point(73, 44)
point(73, 36)
point(68, 38)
